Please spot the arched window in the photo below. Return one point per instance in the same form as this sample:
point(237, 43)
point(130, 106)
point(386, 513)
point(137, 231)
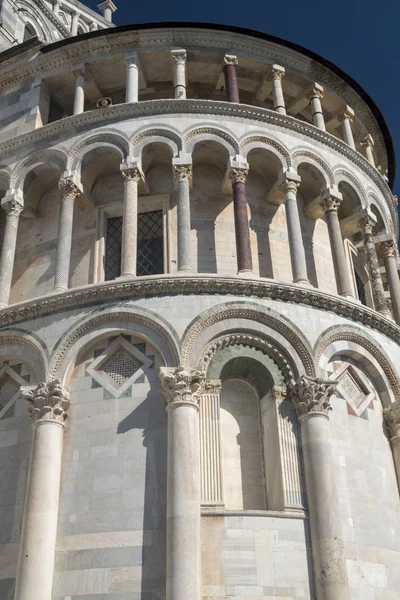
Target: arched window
point(29, 32)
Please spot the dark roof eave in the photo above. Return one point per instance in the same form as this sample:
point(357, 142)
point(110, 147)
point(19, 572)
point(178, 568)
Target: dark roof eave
point(264, 36)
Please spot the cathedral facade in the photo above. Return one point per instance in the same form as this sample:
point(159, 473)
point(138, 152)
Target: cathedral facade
point(199, 317)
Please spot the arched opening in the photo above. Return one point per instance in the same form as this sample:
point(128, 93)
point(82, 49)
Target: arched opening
point(29, 32)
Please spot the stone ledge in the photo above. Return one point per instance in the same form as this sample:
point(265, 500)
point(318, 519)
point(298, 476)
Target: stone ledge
point(167, 285)
point(272, 514)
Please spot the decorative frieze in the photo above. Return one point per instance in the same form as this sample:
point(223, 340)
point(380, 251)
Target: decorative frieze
point(48, 402)
point(312, 395)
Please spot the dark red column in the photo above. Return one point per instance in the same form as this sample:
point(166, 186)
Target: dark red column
point(231, 84)
point(242, 229)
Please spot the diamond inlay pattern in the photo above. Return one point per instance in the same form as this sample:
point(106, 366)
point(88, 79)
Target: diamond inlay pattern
point(120, 367)
point(8, 389)
point(150, 256)
point(113, 248)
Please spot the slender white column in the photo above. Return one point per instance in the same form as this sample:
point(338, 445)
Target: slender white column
point(183, 174)
point(277, 72)
point(210, 445)
point(132, 174)
point(346, 119)
point(79, 100)
point(132, 77)
point(69, 193)
point(331, 205)
point(13, 207)
point(366, 225)
point(312, 400)
point(49, 404)
point(391, 414)
point(316, 107)
point(296, 247)
point(179, 72)
point(107, 8)
point(182, 389)
point(389, 252)
point(74, 23)
point(368, 145)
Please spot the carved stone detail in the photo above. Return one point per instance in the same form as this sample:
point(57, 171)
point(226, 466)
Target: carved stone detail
point(13, 207)
point(312, 395)
point(68, 188)
point(181, 385)
point(179, 57)
point(391, 415)
point(237, 175)
point(48, 402)
point(212, 386)
point(231, 59)
point(331, 203)
point(290, 186)
point(213, 131)
point(130, 173)
point(366, 224)
point(183, 172)
point(388, 249)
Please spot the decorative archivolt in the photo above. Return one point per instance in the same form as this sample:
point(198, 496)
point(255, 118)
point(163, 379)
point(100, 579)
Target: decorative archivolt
point(380, 206)
point(52, 157)
point(21, 343)
point(142, 138)
point(251, 312)
point(344, 175)
point(277, 354)
point(113, 320)
point(317, 161)
point(207, 132)
point(352, 334)
point(273, 146)
point(99, 140)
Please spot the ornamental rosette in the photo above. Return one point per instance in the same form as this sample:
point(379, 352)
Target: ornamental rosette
point(48, 402)
point(310, 395)
point(181, 384)
point(391, 414)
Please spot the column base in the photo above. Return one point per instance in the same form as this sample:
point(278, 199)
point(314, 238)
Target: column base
point(59, 290)
point(246, 273)
point(125, 276)
point(184, 272)
point(304, 282)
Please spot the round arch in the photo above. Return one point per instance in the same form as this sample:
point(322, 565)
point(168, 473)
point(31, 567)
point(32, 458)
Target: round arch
point(161, 135)
point(133, 320)
point(353, 342)
point(207, 133)
point(305, 156)
point(342, 175)
point(256, 141)
point(114, 141)
point(255, 321)
point(55, 159)
point(22, 344)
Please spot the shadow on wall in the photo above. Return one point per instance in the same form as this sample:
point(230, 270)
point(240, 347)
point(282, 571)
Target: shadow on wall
point(150, 416)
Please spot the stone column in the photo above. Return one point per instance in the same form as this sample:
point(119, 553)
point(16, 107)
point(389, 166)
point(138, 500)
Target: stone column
point(210, 445)
point(13, 207)
point(179, 73)
point(277, 73)
point(132, 77)
point(231, 84)
point(79, 101)
point(182, 389)
point(74, 23)
point(107, 8)
point(312, 400)
point(238, 177)
point(132, 174)
point(389, 253)
point(366, 225)
point(316, 108)
point(391, 415)
point(368, 144)
point(330, 206)
point(297, 254)
point(49, 404)
point(346, 119)
point(183, 174)
point(69, 193)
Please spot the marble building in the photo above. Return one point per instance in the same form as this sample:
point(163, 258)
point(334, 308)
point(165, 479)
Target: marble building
point(200, 317)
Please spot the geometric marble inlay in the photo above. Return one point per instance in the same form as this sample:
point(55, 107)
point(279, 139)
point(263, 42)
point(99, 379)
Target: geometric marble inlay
point(354, 388)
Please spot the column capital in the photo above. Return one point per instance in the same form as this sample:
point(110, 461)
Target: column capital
point(277, 393)
point(331, 200)
point(347, 113)
point(132, 58)
point(277, 72)
point(183, 172)
point(310, 395)
point(131, 171)
point(13, 205)
point(238, 174)
point(317, 91)
point(290, 185)
point(212, 386)
point(391, 414)
point(48, 402)
point(368, 141)
point(388, 248)
point(366, 224)
point(179, 56)
point(107, 5)
point(231, 59)
point(181, 385)
point(68, 187)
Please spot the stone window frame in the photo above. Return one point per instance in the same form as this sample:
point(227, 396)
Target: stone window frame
point(6, 370)
point(115, 209)
point(109, 352)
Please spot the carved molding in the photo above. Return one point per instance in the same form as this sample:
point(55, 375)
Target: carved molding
point(260, 139)
point(324, 166)
point(48, 402)
point(181, 385)
point(212, 131)
point(391, 415)
point(312, 395)
point(157, 133)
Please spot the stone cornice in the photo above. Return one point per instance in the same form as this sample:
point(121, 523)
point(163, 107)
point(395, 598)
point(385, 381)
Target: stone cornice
point(148, 108)
point(201, 284)
point(188, 37)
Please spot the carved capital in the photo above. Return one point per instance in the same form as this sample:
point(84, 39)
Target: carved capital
point(68, 188)
point(181, 385)
point(391, 414)
point(277, 72)
point(330, 203)
point(13, 207)
point(212, 386)
point(48, 402)
point(289, 185)
point(317, 91)
point(131, 172)
point(178, 57)
point(231, 59)
point(388, 249)
point(277, 393)
point(312, 395)
point(238, 175)
point(366, 225)
point(183, 172)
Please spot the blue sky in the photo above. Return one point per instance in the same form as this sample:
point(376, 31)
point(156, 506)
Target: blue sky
point(360, 36)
